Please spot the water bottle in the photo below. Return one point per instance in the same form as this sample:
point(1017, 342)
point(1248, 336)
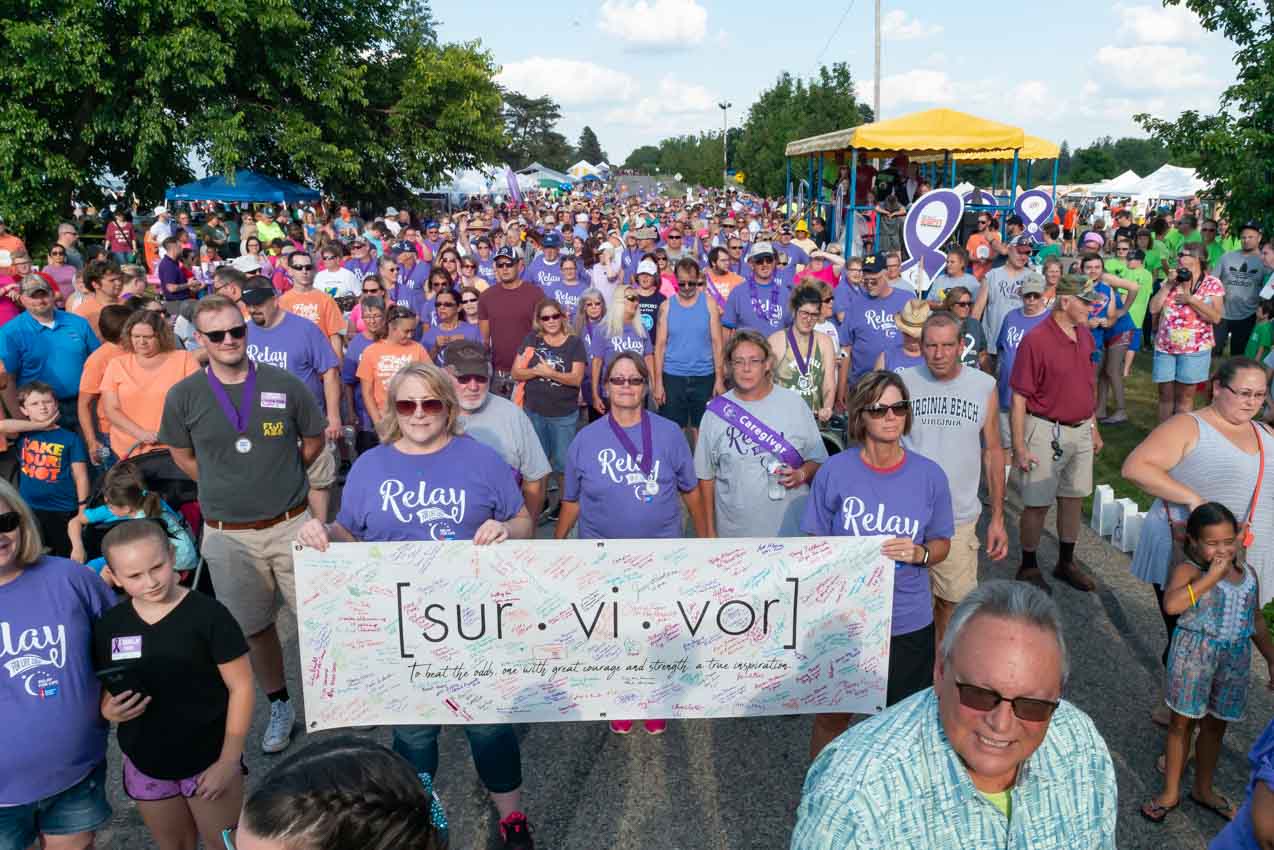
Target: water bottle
point(348, 433)
point(103, 454)
point(775, 489)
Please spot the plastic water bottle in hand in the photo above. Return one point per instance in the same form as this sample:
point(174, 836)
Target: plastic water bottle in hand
point(775, 489)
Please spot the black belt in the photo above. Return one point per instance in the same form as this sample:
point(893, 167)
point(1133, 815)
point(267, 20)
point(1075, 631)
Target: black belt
point(1059, 422)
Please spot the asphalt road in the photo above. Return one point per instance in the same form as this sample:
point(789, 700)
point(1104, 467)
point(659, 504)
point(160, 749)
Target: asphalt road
point(735, 784)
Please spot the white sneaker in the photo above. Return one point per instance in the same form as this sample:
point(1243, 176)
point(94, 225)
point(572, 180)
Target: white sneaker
point(278, 734)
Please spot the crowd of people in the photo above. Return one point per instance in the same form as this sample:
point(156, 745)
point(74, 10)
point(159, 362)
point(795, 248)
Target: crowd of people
point(609, 367)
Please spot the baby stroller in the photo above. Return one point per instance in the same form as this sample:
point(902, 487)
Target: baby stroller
point(165, 479)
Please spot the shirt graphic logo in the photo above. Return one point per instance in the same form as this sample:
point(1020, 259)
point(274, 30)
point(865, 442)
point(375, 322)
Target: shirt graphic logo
point(858, 521)
point(33, 654)
point(621, 468)
point(440, 508)
point(42, 459)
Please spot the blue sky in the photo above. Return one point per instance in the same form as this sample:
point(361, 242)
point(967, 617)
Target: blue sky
point(639, 70)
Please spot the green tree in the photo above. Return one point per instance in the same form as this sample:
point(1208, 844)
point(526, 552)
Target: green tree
point(643, 160)
point(1088, 165)
point(357, 99)
point(1233, 148)
point(1064, 162)
point(589, 148)
point(530, 124)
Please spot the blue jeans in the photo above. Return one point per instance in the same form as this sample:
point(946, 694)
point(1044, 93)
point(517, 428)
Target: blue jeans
point(495, 750)
point(80, 808)
point(555, 433)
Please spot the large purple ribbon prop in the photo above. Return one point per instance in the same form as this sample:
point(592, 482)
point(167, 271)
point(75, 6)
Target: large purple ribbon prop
point(763, 435)
point(1035, 208)
point(928, 226)
point(976, 197)
point(515, 192)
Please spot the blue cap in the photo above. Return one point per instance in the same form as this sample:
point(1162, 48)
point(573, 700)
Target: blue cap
point(552, 239)
point(505, 253)
point(403, 248)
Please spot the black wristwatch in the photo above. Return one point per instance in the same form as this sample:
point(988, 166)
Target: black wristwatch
point(924, 562)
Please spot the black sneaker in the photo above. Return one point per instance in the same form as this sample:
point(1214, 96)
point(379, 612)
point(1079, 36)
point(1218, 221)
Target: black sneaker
point(515, 833)
point(552, 514)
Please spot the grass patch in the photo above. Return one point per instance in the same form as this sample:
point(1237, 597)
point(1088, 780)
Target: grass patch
point(1143, 415)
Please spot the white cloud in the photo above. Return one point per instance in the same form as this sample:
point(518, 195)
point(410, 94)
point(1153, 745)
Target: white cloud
point(915, 86)
point(1159, 24)
point(674, 103)
point(568, 81)
point(654, 25)
point(1151, 68)
point(896, 26)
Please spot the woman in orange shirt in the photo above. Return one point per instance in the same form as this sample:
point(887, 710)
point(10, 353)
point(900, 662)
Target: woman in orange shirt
point(382, 360)
point(136, 384)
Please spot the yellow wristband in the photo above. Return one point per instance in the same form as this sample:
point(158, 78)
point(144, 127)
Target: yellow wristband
point(1193, 600)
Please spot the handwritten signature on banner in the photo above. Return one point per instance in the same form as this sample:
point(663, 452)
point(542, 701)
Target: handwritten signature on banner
point(539, 630)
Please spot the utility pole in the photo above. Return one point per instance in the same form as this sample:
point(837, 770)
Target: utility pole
point(875, 105)
point(725, 136)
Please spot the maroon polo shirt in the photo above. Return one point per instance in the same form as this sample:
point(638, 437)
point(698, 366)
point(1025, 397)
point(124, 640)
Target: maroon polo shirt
point(510, 312)
point(1055, 373)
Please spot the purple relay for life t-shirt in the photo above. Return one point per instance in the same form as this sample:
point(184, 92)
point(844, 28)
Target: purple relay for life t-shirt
point(869, 329)
point(850, 499)
point(1013, 330)
point(611, 488)
point(447, 495)
point(51, 729)
point(295, 345)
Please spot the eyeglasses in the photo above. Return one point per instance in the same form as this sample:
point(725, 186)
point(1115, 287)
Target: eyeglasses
point(472, 379)
point(469, 266)
point(551, 317)
point(57, 253)
point(450, 305)
point(375, 290)
point(809, 314)
point(468, 301)
point(9, 521)
point(878, 411)
point(1026, 295)
point(1024, 708)
point(327, 258)
point(237, 332)
point(764, 261)
point(1247, 395)
point(504, 265)
point(828, 300)
point(632, 381)
point(965, 304)
point(307, 268)
point(411, 406)
point(747, 363)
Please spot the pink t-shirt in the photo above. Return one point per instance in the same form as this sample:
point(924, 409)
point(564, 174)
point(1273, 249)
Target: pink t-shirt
point(1184, 331)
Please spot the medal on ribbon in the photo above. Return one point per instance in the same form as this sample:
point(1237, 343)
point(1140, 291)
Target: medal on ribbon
point(238, 416)
point(645, 458)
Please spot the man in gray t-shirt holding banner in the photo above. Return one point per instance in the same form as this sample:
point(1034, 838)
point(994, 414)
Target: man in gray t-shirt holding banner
point(246, 433)
point(1243, 273)
point(954, 410)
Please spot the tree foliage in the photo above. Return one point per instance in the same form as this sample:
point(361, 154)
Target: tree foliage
point(643, 160)
point(352, 97)
point(1107, 157)
point(530, 125)
point(589, 148)
point(1235, 146)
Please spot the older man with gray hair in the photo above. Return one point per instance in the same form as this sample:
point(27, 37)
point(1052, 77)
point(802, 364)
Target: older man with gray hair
point(990, 756)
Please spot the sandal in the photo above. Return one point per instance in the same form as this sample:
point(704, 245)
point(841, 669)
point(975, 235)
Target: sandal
point(1154, 812)
point(1223, 809)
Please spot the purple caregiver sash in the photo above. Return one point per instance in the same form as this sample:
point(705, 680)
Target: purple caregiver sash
point(757, 431)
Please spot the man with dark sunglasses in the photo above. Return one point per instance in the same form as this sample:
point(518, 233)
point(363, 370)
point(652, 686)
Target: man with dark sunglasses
point(315, 305)
point(990, 756)
point(246, 433)
point(496, 421)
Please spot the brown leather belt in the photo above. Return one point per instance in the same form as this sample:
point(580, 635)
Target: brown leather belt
point(1059, 422)
point(257, 525)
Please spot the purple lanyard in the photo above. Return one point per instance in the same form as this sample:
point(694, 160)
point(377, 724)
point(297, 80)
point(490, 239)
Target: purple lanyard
point(802, 363)
point(713, 291)
point(645, 460)
point(238, 417)
point(756, 304)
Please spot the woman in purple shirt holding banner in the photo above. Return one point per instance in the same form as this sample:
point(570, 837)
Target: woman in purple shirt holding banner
point(625, 472)
point(875, 487)
point(427, 482)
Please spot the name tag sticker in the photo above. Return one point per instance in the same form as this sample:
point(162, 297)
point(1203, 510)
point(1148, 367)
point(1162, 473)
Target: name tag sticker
point(277, 401)
point(126, 647)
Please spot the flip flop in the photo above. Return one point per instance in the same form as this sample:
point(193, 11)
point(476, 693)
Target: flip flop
point(1224, 809)
point(1155, 813)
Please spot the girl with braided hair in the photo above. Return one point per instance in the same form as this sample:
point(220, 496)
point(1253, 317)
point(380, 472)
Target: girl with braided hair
point(342, 793)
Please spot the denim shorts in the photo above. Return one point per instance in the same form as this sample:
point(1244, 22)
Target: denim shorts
point(80, 808)
point(687, 396)
point(1181, 368)
point(555, 433)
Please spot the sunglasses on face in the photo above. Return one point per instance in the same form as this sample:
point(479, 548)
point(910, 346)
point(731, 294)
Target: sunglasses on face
point(375, 290)
point(632, 381)
point(764, 261)
point(450, 305)
point(504, 265)
point(465, 380)
point(410, 406)
point(965, 304)
point(327, 258)
point(468, 301)
point(237, 332)
point(9, 521)
point(57, 253)
point(306, 268)
point(878, 411)
point(550, 317)
point(1024, 708)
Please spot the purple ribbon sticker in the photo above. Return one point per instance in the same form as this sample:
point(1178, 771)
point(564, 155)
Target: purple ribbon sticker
point(757, 431)
point(928, 226)
point(1035, 208)
point(515, 192)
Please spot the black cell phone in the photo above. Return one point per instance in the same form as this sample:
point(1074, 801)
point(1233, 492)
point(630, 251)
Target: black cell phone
point(119, 679)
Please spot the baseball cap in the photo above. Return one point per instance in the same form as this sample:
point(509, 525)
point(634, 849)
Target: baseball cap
point(873, 263)
point(34, 283)
point(647, 267)
point(552, 239)
point(160, 210)
point(247, 264)
point(1137, 254)
point(465, 357)
point(1247, 225)
point(760, 249)
point(1077, 285)
point(403, 248)
point(505, 253)
point(786, 230)
point(1094, 238)
point(390, 211)
point(1033, 282)
point(646, 233)
point(1022, 241)
point(257, 291)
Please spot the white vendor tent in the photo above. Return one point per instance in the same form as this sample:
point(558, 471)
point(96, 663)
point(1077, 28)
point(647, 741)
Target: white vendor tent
point(1121, 185)
point(1169, 182)
point(582, 169)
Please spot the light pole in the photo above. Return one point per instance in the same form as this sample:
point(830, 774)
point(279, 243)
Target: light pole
point(725, 135)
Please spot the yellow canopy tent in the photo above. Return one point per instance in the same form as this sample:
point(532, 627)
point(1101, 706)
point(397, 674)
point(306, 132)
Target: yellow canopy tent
point(1033, 147)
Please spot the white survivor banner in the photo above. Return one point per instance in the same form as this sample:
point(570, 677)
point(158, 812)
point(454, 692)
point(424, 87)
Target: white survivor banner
point(539, 630)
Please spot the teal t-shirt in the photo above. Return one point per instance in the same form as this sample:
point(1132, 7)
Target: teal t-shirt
point(1046, 251)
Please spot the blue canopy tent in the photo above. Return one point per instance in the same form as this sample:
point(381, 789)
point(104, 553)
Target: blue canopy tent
point(245, 188)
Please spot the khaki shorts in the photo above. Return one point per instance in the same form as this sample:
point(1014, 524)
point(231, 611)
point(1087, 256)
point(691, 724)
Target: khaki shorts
point(322, 472)
point(957, 576)
point(1068, 477)
point(252, 571)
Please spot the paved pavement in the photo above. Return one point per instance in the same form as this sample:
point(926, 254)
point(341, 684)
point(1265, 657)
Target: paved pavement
point(735, 784)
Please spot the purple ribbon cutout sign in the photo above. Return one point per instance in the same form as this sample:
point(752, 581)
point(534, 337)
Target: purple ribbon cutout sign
point(515, 192)
point(757, 431)
point(1035, 208)
point(976, 197)
point(929, 224)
